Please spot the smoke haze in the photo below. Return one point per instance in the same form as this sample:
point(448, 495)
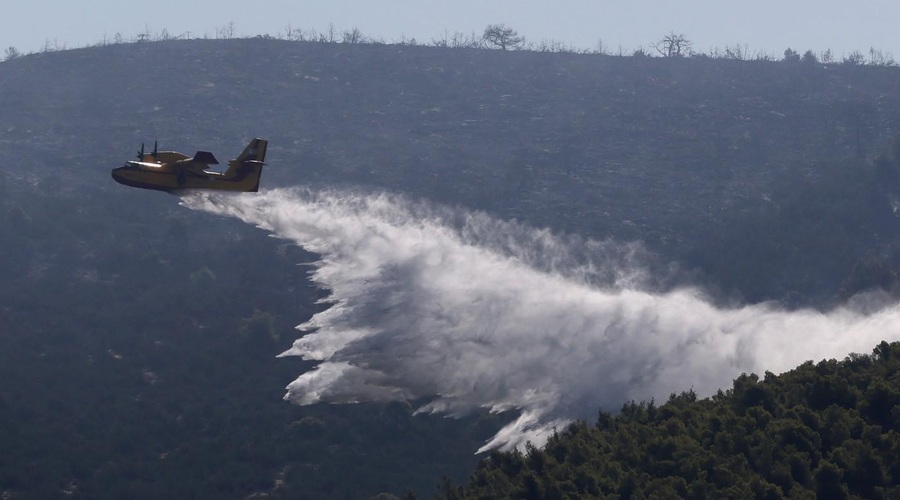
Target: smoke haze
point(475, 313)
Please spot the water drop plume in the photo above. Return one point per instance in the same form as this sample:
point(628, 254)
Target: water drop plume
point(471, 313)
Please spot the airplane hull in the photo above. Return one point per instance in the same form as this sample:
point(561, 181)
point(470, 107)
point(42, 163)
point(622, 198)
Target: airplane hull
point(246, 178)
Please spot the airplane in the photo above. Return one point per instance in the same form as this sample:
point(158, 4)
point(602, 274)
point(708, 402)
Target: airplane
point(170, 170)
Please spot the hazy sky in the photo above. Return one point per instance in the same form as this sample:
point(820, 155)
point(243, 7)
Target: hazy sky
point(767, 26)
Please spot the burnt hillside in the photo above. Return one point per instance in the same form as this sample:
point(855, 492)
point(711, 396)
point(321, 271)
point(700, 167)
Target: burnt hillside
point(675, 153)
point(136, 337)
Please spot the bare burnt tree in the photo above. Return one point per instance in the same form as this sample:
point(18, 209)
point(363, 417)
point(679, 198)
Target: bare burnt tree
point(457, 40)
point(11, 53)
point(225, 32)
point(877, 57)
point(461, 40)
point(329, 36)
point(498, 35)
point(673, 45)
point(737, 52)
point(443, 41)
point(352, 36)
point(855, 58)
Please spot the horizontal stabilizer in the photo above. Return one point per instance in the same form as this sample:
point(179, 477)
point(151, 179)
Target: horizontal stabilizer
point(205, 157)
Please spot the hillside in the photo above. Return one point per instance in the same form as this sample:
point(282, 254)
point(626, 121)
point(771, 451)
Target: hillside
point(824, 430)
point(674, 153)
point(137, 337)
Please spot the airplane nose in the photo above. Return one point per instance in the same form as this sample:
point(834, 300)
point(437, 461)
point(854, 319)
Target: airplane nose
point(117, 175)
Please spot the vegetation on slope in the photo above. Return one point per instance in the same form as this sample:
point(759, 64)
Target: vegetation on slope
point(137, 354)
point(824, 430)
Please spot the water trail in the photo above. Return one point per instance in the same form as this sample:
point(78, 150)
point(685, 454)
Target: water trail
point(475, 313)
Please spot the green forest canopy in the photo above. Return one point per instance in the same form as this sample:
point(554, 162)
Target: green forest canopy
point(823, 430)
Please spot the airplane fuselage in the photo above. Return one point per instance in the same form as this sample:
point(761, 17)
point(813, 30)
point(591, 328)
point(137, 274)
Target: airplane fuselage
point(170, 170)
point(163, 177)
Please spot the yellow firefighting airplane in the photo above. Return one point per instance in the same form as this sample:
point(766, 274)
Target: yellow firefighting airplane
point(169, 170)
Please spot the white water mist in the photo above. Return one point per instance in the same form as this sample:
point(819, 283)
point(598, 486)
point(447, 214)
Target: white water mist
point(475, 313)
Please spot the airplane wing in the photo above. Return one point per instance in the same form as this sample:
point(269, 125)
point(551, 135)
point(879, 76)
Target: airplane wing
point(205, 157)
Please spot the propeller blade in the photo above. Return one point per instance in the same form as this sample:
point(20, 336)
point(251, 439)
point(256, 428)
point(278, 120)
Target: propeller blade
point(140, 154)
point(154, 149)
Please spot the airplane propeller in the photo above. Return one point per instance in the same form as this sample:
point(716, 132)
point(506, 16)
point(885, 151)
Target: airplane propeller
point(140, 154)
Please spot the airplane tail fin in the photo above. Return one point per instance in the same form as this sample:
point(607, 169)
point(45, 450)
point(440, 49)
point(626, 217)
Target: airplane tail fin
point(251, 182)
point(255, 151)
point(246, 169)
